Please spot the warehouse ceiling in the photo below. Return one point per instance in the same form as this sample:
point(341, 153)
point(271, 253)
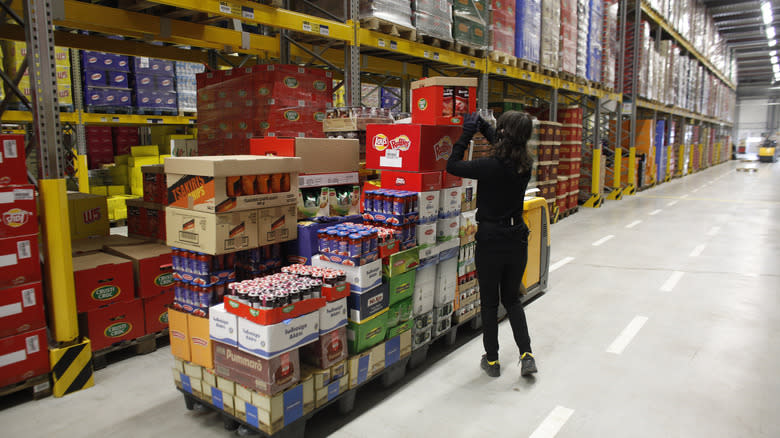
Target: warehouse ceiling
point(742, 27)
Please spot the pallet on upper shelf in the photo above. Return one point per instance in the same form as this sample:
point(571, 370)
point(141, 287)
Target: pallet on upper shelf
point(468, 50)
point(566, 76)
point(435, 42)
point(528, 65)
point(549, 72)
point(389, 28)
point(503, 58)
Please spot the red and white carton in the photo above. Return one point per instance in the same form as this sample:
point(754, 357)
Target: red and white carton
point(409, 147)
point(115, 323)
point(18, 211)
point(21, 309)
point(412, 181)
point(156, 312)
point(13, 167)
point(19, 261)
point(23, 357)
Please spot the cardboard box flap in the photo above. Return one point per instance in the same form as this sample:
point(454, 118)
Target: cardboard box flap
point(153, 168)
point(233, 165)
point(97, 243)
point(444, 81)
point(318, 155)
point(139, 252)
point(93, 260)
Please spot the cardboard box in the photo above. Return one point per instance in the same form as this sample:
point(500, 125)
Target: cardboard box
point(401, 286)
point(434, 101)
point(211, 233)
point(426, 236)
point(446, 282)
point(328, 350)
point(18, 210)
point(179, 334)
point(365, 365)
point(152, 267)
point(88, 215)
point(277, 224)
point(24, 356)
point(399, 312)
point(413, 148)
point(324, 395)
point(333, 315)
point(200, 343)
point(102, 279)
point(13, 167)
point(223, 325)
point(424, 290)
point(111, 324)
point(412, 181)
point(95, 244)
point(21, 309)
point(156, 312)
point(449, 201)
point(230, 183)
point(397, 348)
point(360, 278)
point(268, 341)
point(401, 262)
point(267, 376)
point(449, 180)
point(362, 336)
point(318, 155)
point(271, 414)
point(365, 305)
point(448, 229)
point(400, 328)
point(429, 206)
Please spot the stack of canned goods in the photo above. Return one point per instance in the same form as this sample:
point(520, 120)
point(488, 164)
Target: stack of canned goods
point(258, 262)
point(191, 262)
point(396, 202)
point(197, 299)
point(294, 284)
point(355, 240)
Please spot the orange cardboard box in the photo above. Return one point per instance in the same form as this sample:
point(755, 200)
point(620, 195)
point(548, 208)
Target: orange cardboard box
point(179, 334)
point(200, 342)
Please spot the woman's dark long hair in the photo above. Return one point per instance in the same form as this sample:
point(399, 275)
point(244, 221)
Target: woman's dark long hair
point(513, 129)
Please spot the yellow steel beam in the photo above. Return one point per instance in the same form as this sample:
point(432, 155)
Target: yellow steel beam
point(95, 18)
point(519, 73)
point(251, 12)
point(684, 43)
point(58, 269)
point(26, 117)
point(392, 44)
point(103, 119)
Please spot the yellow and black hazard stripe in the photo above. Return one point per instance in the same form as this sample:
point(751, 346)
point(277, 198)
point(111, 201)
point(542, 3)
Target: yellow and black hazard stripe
point(71, 368)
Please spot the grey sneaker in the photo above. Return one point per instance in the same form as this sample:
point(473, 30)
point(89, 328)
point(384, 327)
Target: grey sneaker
point(528, 364)
point(493, 369)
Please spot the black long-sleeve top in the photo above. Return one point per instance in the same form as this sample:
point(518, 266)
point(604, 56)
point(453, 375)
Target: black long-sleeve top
point(500, 188)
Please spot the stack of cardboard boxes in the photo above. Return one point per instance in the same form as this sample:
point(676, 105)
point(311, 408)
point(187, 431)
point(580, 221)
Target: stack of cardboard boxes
point(413, 157)
point(154, 85)
point(106, 81)
point(187, 86)
point(570, 158)
point(467, 303)
point(15, 52)
point(146, 216)
point(23, 343)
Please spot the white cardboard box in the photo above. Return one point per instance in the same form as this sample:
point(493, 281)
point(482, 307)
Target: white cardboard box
point(449, 201)
point(446, 282)
point(360, 278)
point(448, 228)
point(429, 206)
point(333, 315)
point(426, 235)
point(223, 326)
point(269, 341)
point(424, 290)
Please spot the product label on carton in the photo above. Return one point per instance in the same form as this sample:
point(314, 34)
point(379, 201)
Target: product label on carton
point(293, 404)
point(269, 341)
point(392, 351)
point(216, 398)
point(117, 330)
point(333, 315)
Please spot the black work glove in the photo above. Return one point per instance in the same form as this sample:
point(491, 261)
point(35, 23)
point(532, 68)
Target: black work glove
point(484, 127)
point(470, 125)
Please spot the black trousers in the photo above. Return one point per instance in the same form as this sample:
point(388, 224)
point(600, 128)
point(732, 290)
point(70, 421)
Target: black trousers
point(500, 267)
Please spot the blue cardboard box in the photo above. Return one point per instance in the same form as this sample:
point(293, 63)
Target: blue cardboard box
point(95, 78)
point(307, 245)
point(363, 306)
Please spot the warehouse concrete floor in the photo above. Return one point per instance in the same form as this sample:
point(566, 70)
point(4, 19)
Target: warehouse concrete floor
point(661, 319)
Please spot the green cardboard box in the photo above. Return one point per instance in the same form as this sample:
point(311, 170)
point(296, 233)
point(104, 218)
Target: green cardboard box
point(361, 337)
point(401, 286)
point(399, 312)
point(401, 262)
point(400, 328)
point(469, 32)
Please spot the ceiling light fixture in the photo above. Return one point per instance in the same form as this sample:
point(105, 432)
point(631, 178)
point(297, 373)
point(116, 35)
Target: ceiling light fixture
point(772, 43)
point(774, 60)
point(770, 32)
point(776, 68)
point(773, 53)
point(766, 12)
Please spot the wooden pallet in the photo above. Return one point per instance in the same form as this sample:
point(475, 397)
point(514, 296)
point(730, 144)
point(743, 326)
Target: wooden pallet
point(503, 58)
point(119, 223)
point(39, 387)
point(144, 345)
point(608, 89)
point(389, 28)
point(747, 169)
point(528, 65)
point(435, 42)
point(156, 112)
point(581, 81)
point(550, 73)
point(567, 76)
point(471, 51)
point(595, 85)
point(188, 114)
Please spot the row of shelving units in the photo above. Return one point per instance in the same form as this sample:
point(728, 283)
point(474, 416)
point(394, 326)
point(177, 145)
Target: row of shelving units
point(281, 174)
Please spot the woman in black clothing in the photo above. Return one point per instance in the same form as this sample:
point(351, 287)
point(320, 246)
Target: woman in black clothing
point(502, 236)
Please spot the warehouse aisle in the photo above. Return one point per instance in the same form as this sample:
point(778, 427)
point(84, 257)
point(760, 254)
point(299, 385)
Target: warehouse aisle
point(660, 320)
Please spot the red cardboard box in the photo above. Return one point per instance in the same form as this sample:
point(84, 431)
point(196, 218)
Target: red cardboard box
point(19, 260)
point(156, 312)
point(328, 350)
point(412, 181)
point(102, 279)
point(152, 267)
point(412, 148)
point(21, 309)
point(23, 357)
point(443, 100)
point(13, 167)
point(18, 211)
point(115, 323)
point(449, 181)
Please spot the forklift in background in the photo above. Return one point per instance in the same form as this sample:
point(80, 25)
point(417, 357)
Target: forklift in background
point(767, 152)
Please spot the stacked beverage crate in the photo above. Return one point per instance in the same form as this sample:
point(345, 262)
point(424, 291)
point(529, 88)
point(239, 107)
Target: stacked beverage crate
point(609, 44)
point(550, 32)
point(433, 18)
point(154, 85)
point(502, 27)
point(567, 190)
point(568, 45)
point(187, 85)
point(595, 49)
